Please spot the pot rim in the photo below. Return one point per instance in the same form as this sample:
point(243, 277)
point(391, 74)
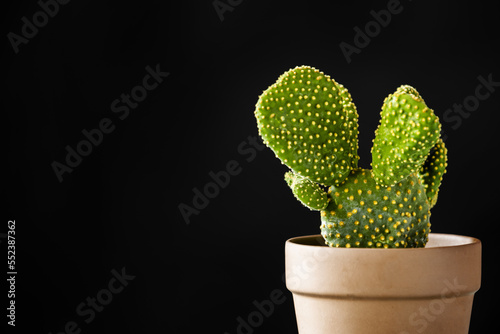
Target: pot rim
point(436, 241)
point(315, 269)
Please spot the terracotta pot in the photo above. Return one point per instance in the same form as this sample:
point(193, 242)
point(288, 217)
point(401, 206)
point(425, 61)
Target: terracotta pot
point(401, 291)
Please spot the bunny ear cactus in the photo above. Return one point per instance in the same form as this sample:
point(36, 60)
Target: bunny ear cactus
point(311, 124)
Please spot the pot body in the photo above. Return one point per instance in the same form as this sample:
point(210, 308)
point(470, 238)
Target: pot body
point(401, 291)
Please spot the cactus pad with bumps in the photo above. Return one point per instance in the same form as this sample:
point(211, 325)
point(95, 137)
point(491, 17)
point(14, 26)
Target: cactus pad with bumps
point(309, 193)
point(309, 122)
point(352, 122)
point(407, 131)
point(433, 169)
point(362, 213)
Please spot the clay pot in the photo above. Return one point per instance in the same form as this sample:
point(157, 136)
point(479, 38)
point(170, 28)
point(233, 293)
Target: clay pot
point(402, 291)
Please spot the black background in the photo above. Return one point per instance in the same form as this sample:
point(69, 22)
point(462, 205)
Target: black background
point(119, 207)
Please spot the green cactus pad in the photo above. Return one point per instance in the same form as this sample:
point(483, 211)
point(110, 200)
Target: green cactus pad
point(433, 170)
point(310, 123)
point(407, 131)
point(352, 121)
point(407, 89)
point(362, 213)
point(309, 193)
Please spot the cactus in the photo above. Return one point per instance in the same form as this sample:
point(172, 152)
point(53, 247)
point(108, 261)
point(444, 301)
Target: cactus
point(311, 124)
point(407, 131)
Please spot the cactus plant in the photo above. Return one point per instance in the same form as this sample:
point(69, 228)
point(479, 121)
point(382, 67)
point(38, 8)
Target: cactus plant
point(310, 122)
